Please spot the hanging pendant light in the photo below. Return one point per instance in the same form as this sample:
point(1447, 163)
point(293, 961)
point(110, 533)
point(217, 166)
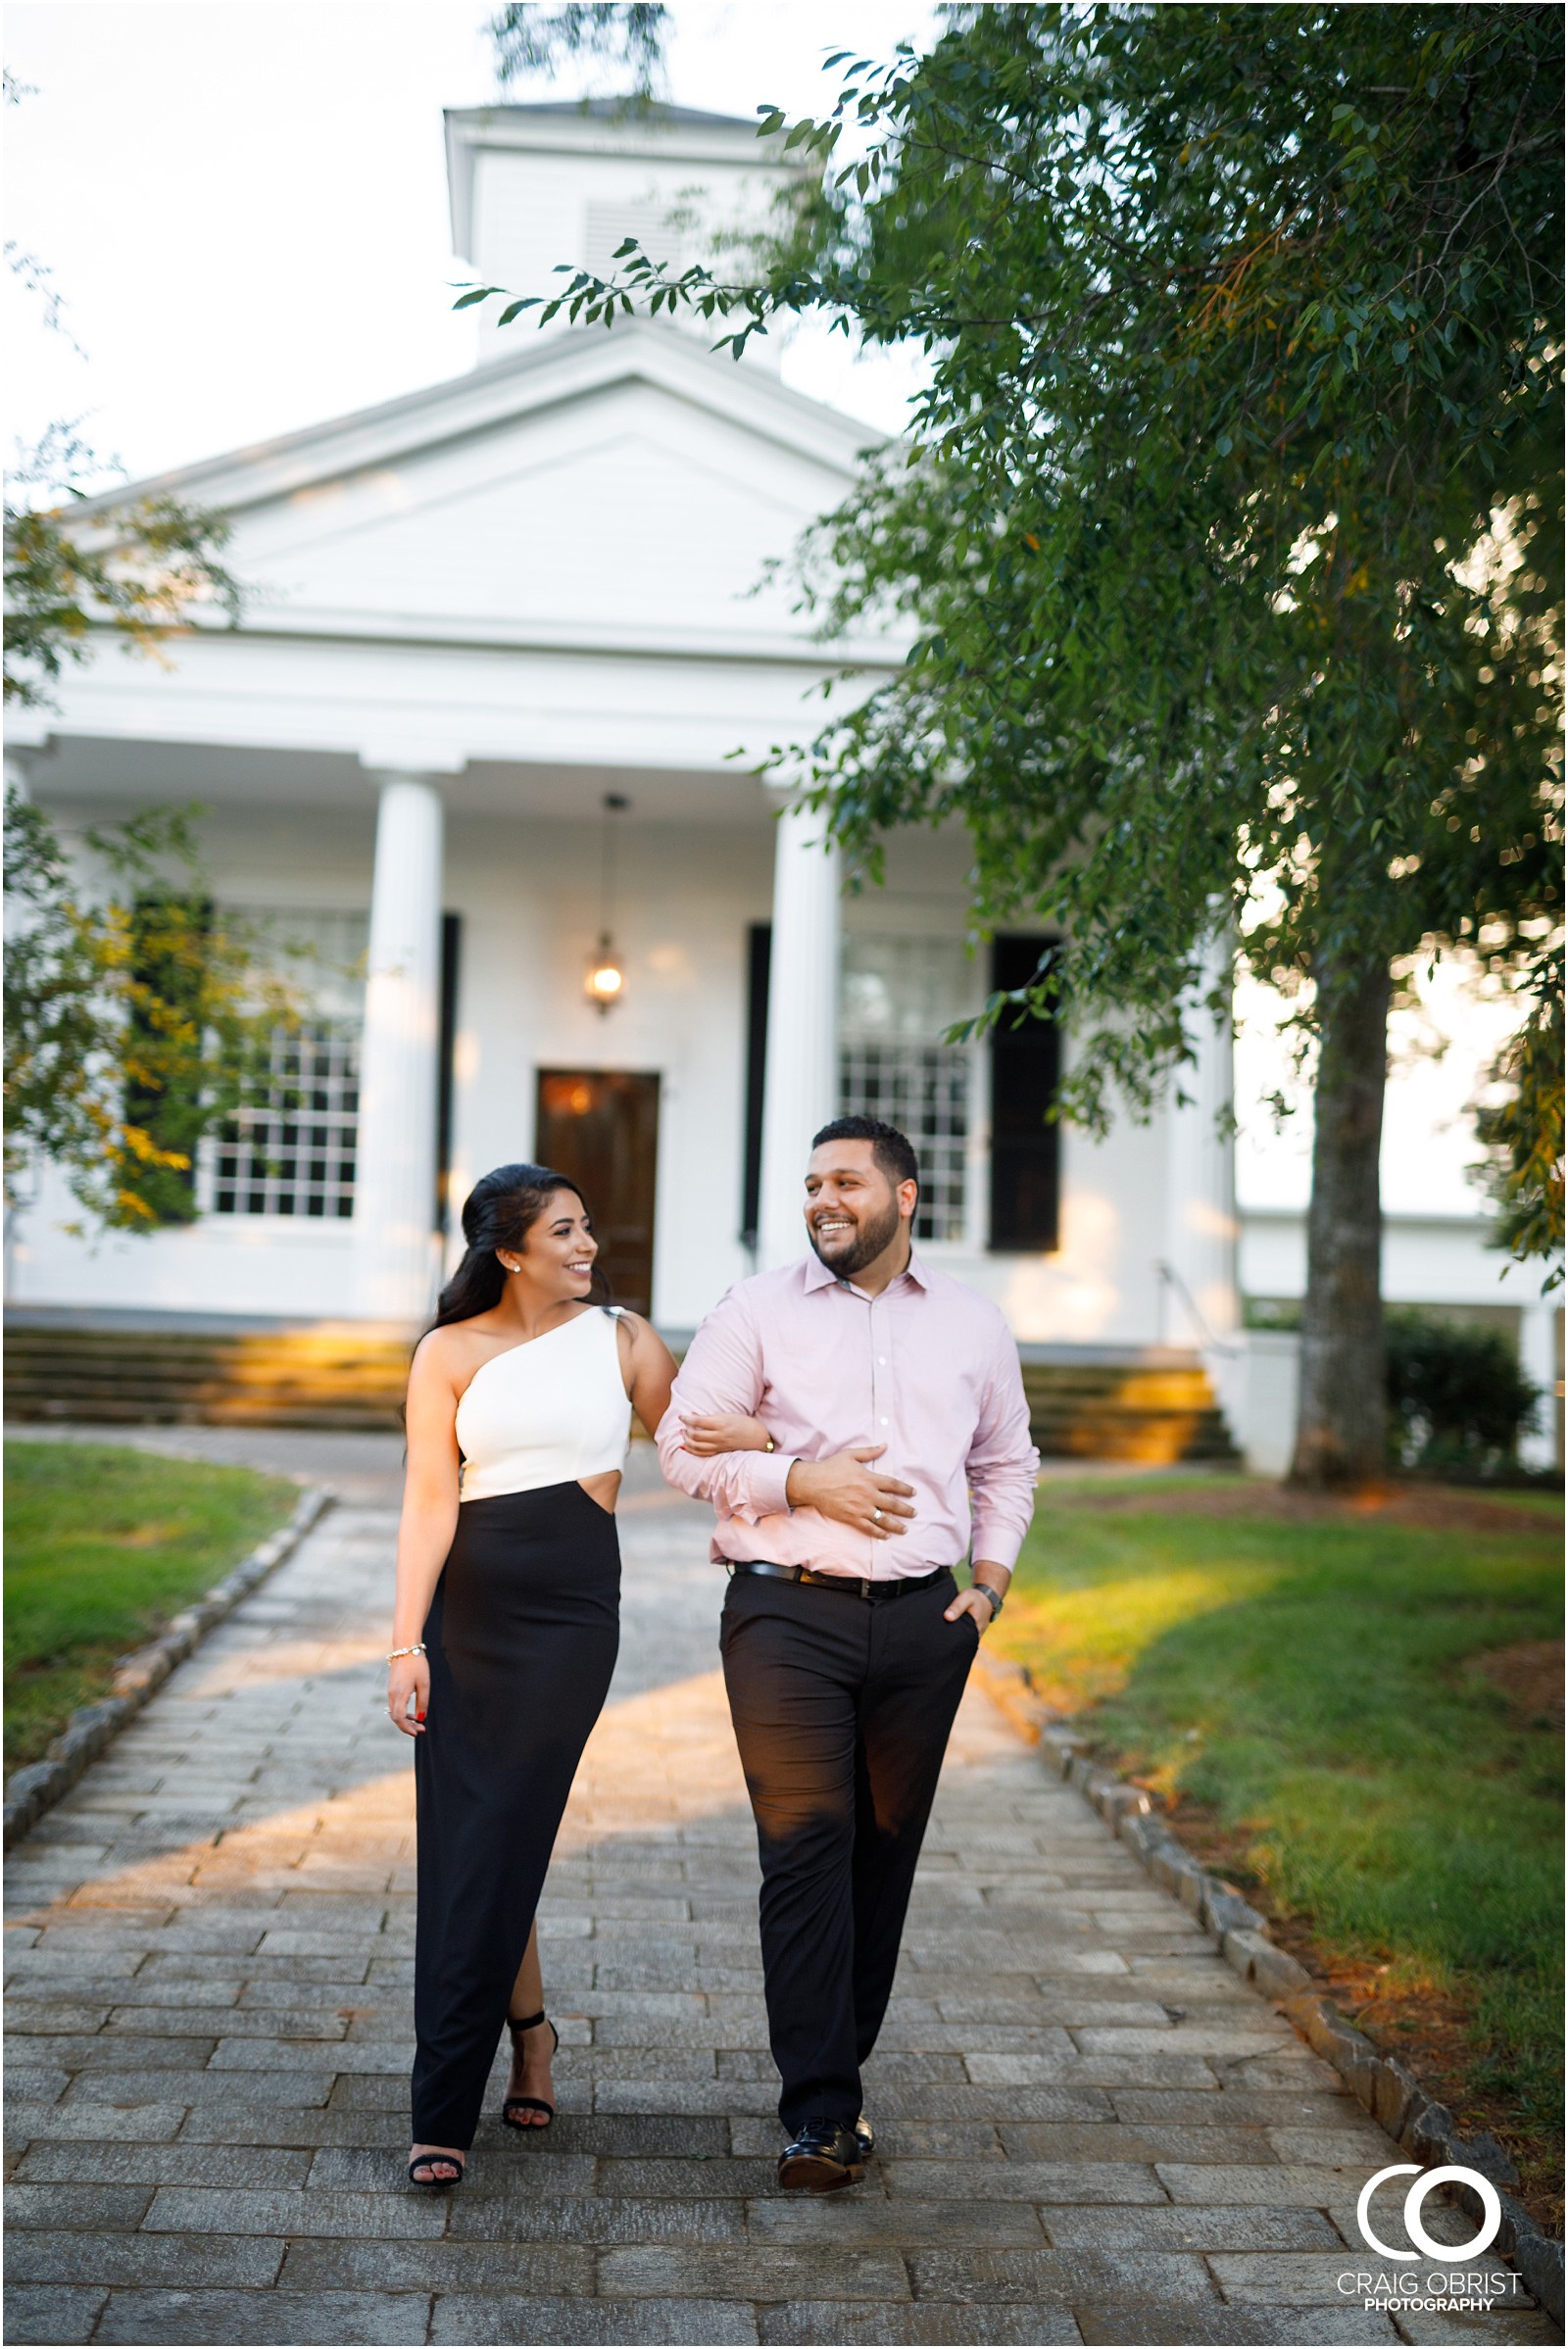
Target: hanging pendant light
point(605, 982)
point(605, 978)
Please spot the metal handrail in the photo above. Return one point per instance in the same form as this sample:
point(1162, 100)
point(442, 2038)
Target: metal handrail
point(1173, 1280)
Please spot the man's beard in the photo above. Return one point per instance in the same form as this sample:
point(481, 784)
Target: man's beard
point(873, 1237)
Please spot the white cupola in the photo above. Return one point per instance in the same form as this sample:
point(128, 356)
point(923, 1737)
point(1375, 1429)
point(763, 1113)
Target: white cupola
point(534, 186)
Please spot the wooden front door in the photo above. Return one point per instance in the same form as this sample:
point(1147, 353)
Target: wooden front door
point(601, 1127)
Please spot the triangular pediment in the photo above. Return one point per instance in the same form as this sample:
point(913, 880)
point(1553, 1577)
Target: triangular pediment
point(630, 482)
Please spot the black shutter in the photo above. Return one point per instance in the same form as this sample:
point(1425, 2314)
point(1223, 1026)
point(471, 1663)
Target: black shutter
point(1025, 1070)
point(451, 961)
point(758, 961)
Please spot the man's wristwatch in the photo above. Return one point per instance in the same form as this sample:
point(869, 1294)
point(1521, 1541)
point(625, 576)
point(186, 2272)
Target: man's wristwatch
point(993, 1593)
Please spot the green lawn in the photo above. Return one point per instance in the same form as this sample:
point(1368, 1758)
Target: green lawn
point(1308, 1673)
point(103, 1545)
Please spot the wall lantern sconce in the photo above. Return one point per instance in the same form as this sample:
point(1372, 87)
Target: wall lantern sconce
point(605, 982)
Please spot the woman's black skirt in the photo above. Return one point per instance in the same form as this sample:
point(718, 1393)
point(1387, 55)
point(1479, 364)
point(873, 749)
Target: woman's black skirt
point(522, 1635)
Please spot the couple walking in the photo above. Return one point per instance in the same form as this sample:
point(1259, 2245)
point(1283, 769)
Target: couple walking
point(857, 1422)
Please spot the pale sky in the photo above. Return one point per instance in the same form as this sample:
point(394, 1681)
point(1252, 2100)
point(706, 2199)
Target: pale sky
point(243, 202)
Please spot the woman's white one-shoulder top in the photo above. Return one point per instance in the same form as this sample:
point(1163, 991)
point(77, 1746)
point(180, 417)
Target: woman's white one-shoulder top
point(546, 1412)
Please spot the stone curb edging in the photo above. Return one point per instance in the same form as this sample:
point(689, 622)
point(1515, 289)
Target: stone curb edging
point(1388, 2091)
point(35, 1788)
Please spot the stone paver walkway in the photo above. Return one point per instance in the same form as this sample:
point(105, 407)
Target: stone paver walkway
point(1090, 2129)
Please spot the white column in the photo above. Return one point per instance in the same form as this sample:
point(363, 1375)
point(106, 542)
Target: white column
point(1538, 1360)
point(800, 1091)
point(394, 1192)
point(1200, 1229)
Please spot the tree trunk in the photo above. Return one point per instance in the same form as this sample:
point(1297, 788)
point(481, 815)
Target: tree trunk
point(1340, 1429)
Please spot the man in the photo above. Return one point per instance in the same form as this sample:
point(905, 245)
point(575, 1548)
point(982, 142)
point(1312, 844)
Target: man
point(892, 1399)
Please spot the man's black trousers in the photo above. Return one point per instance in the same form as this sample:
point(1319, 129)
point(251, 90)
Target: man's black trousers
point(842, 1708)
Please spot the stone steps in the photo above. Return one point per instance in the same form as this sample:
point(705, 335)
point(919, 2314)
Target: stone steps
point(1156, 1414)
point(349, 1377)
point(320, 1378)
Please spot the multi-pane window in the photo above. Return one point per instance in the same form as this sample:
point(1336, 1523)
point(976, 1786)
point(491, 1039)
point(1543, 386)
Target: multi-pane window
point(897, 997)
point(291, 1150)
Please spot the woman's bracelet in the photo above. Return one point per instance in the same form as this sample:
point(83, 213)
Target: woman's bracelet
point(418, 1650)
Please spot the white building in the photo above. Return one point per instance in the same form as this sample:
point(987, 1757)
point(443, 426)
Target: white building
point(476, 617)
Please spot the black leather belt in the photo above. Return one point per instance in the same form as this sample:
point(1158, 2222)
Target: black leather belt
point(861, 1584)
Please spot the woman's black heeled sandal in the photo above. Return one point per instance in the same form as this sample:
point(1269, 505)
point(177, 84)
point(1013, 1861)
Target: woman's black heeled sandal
point(528, 2104)
point(432, 2161)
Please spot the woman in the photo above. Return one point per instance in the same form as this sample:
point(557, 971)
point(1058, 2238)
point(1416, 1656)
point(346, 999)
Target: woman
point(506, 1623)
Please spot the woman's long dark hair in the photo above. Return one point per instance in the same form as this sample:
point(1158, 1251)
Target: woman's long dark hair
point(498, 1213)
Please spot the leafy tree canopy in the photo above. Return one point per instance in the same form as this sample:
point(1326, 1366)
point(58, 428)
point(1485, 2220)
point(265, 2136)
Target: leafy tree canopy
point(1232, 516)
point(138, 570)
point(630, 34)
point(1233, 505)
point(1523, 1136)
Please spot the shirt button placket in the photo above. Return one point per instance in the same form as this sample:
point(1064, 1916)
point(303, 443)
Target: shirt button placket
point(872, 1342)
point(884, 1381)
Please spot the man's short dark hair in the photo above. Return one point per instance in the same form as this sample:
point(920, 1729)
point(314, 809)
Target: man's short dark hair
point(888, 1147)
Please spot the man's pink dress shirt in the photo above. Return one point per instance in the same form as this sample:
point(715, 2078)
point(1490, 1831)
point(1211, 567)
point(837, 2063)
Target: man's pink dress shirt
point(928, 1369)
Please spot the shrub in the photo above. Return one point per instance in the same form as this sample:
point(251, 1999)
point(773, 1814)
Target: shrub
point(1457, 1397)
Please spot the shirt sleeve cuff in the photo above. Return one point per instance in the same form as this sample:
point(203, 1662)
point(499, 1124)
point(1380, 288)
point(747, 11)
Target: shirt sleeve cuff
point(993, 1546)
point(769, 1472)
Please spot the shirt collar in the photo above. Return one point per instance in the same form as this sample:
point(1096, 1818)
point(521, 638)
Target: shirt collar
point(817, 1275)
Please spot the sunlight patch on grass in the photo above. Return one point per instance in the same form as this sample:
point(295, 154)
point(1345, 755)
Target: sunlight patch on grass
point(1080, 1645)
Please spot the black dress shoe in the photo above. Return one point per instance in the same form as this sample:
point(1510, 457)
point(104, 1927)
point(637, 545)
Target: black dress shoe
point(866, 2137)
point(823, 2156)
